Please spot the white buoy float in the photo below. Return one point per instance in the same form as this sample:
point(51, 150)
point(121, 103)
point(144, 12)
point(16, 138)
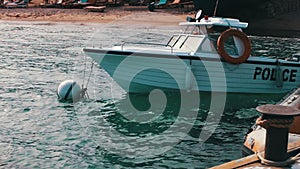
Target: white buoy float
point(69, 90)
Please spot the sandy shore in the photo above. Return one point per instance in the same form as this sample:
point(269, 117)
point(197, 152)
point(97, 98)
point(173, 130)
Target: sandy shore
point(285, 25)
point(126, 14)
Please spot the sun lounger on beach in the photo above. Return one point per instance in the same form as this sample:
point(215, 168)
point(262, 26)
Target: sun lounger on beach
point(23, 4)
point(179, 3)
point(115, 3)
point(78, 4)
point(20, 4)
point(55, 4)
point(175, 2)
point(68, 3)
point(10, 5)
point(159, 4)
point(163, 3)
point(95, 8)
point(101, 2)
point(137, 2)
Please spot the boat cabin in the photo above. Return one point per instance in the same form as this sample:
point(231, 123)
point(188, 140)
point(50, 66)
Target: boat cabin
point(202, 35)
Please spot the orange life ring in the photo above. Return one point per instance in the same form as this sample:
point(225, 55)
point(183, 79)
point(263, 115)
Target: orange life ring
point(221, 46)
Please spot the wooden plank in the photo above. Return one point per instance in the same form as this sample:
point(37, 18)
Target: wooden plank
point(253, 158)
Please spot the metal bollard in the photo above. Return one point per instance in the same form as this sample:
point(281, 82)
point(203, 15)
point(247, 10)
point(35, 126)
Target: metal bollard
point(276, 119)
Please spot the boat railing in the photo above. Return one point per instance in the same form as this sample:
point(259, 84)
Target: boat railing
point(146, 43)
point(187, 43)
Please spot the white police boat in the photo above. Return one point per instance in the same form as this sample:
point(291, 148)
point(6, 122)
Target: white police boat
point(198, 59)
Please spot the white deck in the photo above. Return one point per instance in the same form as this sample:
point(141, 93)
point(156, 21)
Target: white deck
point(217, 21)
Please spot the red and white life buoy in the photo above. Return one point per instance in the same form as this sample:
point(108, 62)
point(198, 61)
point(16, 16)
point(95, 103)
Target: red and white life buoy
point(245, 40)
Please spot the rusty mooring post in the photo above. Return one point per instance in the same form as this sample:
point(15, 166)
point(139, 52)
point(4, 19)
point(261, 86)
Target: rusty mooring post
point(276, 119)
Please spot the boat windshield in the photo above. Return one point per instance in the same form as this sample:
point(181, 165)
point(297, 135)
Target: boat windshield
point(191, 43)
point(201, 39)
point(194, 39)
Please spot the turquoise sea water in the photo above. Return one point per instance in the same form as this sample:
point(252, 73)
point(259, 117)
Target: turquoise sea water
point(37, 131)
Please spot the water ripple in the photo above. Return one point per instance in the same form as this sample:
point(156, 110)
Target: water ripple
point(39, 132)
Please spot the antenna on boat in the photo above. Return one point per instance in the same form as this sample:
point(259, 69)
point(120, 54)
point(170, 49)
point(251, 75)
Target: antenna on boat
point(216, 7)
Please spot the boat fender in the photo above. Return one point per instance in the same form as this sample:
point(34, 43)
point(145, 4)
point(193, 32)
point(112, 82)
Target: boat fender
point(221, 46)
point(68, 91)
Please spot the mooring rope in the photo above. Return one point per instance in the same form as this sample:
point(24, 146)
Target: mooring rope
point(276, 123)
point(278, 163)
point(84, 70)
point(272, 122)
point(84, 93)
point(92, 66)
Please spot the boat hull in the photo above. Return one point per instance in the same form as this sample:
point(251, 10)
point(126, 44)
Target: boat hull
point(143, 72)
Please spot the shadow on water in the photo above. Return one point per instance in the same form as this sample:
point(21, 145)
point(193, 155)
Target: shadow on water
point(141, 115)
point(135, 116)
